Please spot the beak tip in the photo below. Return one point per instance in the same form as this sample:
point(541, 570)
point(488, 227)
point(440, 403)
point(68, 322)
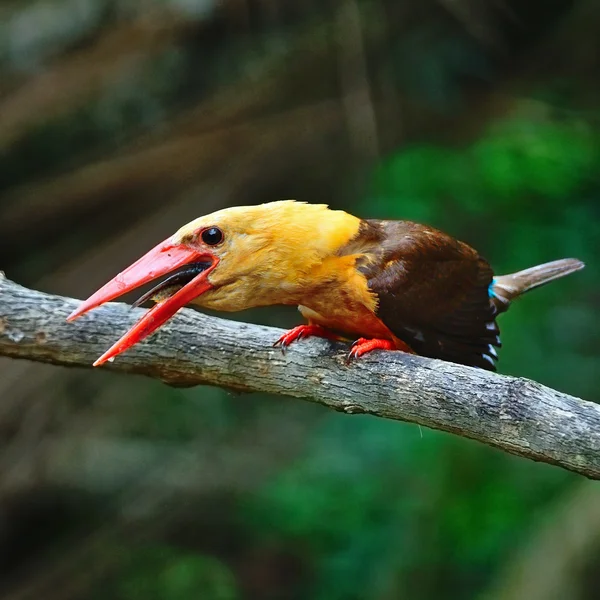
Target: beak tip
point(108, 356)
point(101, 360)
point(76, 313)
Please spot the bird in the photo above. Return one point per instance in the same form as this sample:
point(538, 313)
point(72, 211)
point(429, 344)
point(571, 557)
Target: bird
point(381, 284)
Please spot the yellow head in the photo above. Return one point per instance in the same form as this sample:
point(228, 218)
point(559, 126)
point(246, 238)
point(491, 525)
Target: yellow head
point(267, 253)
point(232, 259)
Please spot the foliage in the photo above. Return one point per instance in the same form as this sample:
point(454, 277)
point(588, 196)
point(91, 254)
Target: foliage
point(163, 573)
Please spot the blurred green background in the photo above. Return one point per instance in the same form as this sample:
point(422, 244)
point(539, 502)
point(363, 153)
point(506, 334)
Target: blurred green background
point(122, 120)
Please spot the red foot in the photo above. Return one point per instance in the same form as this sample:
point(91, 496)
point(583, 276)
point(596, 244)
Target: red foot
point(363, 345)
point(303, 331)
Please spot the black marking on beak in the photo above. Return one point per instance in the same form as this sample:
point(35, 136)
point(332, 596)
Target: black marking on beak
point(173, 283)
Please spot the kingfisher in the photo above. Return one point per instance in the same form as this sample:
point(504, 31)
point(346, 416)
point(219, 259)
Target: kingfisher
point(381, 284)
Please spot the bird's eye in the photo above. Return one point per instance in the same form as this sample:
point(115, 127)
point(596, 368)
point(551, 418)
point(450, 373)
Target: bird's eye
point(212, 236)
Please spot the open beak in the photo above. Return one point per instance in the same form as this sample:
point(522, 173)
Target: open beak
point(165, 258)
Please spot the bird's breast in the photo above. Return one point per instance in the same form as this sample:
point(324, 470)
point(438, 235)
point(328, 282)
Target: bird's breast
point(354, 321)
point(340, 299)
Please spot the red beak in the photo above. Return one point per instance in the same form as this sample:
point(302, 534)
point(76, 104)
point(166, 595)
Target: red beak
point(161, 260)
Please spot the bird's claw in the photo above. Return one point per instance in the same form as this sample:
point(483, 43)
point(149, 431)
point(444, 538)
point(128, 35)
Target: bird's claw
point(287, 338)
point(302, 331)
point(362, 346)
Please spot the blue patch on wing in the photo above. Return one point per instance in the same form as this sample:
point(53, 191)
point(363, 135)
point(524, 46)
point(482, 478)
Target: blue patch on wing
point(491, 292)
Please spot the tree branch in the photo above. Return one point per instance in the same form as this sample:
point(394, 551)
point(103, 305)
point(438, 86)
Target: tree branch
point(516, 415)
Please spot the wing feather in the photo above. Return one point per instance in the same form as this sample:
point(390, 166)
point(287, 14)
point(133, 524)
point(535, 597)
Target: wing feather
point(432, 291)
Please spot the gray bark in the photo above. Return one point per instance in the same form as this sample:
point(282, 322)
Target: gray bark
point(516, 415)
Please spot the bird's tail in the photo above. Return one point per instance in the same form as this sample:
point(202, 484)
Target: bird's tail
point(507, 287)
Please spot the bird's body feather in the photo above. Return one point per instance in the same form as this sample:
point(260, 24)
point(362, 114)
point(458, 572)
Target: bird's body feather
point(432, 291)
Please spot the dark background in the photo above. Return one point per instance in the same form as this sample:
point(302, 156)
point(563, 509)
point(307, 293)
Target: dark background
point(121, 121)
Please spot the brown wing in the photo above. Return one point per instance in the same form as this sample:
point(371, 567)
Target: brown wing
point(432, 291)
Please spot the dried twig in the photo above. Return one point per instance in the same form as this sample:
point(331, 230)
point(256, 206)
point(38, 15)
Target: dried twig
point(519, 416)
